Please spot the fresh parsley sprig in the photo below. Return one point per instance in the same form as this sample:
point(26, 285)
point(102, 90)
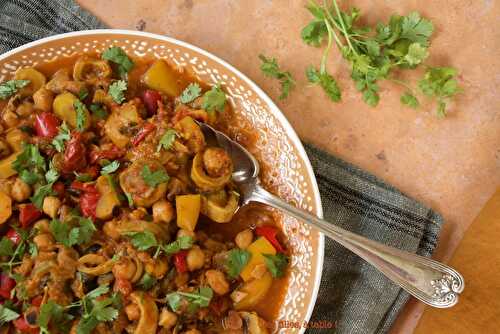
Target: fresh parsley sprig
point(191, 93)
point(195, 300)
point(270, 68)
point(81, 115)
point(237, 259)
point(116, 55)
point(153, 179)
point(167, 140)
point(146, 240)
point(117, 91)
point(74, 231)
point(63, 136)
point(214, 100)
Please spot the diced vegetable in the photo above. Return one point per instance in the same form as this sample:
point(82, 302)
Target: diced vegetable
point(87, 68)
point(37, 80)
point(46, 125)
point(108, 199)
point(148, 320)
point(13, 236)
point(188, 211)
point(162, 77)
point(28, 213)
point(15, 138)
point(217, 212)
point(6, 169)
point(270, 233)
point(255, 291)
point(6, 286)
point(121, 119)
point(151, 99)
point(64, 108)
point(143, 132)
point(5, 207)
point(75, 153)
point(180, 261)
point(257, 248)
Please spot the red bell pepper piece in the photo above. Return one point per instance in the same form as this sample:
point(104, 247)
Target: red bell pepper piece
point(37, 301)
point(22, 326)
point(6, 286)
point(13, 236)
point(46, 125)
point(151, 98)
point(28, 213)
point(74, 155)
point(88, 203)
point(270, 233)
point(143, 132)
point(113, 153)
point(59, 188)
point(180, 261)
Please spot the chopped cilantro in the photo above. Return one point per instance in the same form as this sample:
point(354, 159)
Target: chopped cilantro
point(271, 69)
point(81, 115)
point(190, 93)
point(214, 100)
point(116, 55)
point(237, 259)
point(110, 167)
point(9, 88)
point(155, 178)
point(276, 264)
point(167, 140)
point(117, 91)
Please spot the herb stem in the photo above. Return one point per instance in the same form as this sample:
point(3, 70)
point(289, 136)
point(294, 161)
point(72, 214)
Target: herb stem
point(402, 83)
point(342, 23)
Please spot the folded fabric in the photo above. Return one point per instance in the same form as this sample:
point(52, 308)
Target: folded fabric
point(353, 295)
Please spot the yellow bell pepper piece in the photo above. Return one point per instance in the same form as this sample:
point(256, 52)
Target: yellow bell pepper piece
point(257, 249)
point(162, 77)
point(188, 210)
point(255, 291)
point(6, 169)
point(5, 207)
point(108, 200)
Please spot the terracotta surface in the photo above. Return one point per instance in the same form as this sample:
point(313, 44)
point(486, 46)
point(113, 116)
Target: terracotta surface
point(452, 165)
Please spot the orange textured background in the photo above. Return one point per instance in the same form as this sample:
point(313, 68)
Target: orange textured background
point(452, 165)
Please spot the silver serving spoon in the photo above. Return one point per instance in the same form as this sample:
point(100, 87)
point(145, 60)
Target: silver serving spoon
point(430, 281)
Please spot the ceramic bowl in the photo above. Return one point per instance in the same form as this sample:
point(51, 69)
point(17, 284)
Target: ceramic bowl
point(286, 169)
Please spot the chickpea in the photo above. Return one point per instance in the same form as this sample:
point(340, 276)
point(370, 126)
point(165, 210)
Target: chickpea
point(21, 191)
point(217, 281)
point(44, 241)
point(157, 268)
point(163, 212)
point(195, 258)
point(217, 162)
point(4, 149)
point(185, 233)
point(124, 268)
point(244, 239)
point(167, 319)
point(42, 226)
point(25, 109)
point(133, 312)
point(10, 118)
point(51, 205)
point(43, 99)
point(110, 228)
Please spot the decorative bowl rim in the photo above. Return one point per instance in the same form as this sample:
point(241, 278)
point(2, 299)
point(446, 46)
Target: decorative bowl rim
point(273, 107)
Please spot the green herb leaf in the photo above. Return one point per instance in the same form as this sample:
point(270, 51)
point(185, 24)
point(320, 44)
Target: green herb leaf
point(110, 167)
point(184, 242)
point(82, 95)
point(271, 69)
point(118, 56)
point(147, 281)
point(314, 33)
point(9, 88)
point(98, 111)
point(51, 311)
point(40, 194)
point(7, 315)
point(167, 140)
point(74, 231)
point(63, 136)
point(201, 298)
point(416, 54)
point(143, 240)
point(214, 100)
point(190, 93)
point(416, 29)
point(155, 178)
point(439, 82)
point(326, 81)
point(81, 115)
point(276, 264)
point(6, 247)
point(117, 91)
point(236, 261)
point(51, 176)
point(29, 177)
point(83, 177)
point(409, 100)
point(130, 200)
point(30, 159)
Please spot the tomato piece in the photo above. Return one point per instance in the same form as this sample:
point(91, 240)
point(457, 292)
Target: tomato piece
point(74, 155)
point(113, 153)
point(123, 286)
point(143, 132)
point(151, 98)
point(88, 201)
point(13, 236)
point(59, 188)
point(6, 285)
point(270, 233)
point(37, 301)
point(22, 325)
point(46, 125)
point(180, 261)
point(28, 213)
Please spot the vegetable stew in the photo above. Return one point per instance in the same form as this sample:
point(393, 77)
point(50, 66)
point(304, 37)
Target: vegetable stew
point(117, 216)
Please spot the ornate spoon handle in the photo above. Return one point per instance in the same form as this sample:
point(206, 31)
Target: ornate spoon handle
point(430, 281)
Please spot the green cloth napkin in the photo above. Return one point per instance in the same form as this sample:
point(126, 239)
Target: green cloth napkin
point(353, 294)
